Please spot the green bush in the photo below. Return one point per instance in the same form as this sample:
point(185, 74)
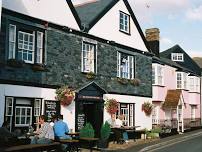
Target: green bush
point(105, 131)
point(156, 130)
point(87, 131)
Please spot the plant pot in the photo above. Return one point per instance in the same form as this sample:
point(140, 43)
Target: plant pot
point(103, 143)
point(38, 67)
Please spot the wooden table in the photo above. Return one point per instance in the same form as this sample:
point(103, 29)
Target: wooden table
point(73, 134)
point(90, 142)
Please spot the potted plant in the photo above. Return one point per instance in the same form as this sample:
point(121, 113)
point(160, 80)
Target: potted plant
point(87, 131)
point(122, 80)
point(65, 95)
point(104, 135)
point(135, 82)
point(111, 106)
point(90, 75)
point(38, 67)
point(147, 108)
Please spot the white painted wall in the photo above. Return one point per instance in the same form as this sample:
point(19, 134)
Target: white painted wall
point(23, 91)
point(140, 118)
point(55, 11)
point(108, 28)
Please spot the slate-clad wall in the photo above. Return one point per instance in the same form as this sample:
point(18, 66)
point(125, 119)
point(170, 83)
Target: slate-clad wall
point(63, 59)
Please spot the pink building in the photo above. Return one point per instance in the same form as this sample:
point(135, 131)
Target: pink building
point(176, 86)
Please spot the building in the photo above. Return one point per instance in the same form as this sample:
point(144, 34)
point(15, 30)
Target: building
point(41, 52)
point(176, 86)
point(0, 12)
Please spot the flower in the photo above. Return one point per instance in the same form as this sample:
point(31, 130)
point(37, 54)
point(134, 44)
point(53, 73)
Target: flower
point(90, 75)
point(65, 95)
point(135, 82)
point(111, 106)
point(147, 108)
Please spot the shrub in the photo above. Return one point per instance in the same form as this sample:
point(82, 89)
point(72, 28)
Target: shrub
point(87, 131)
point(105, 131)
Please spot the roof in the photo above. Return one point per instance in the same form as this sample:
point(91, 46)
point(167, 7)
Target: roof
point(198, 60)
point(188, 63)
point(90, 13)
point(172, 98)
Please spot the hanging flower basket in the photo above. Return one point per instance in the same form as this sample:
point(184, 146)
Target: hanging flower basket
point(65, 95)
point(135, 82)
point(122, 80)
point(90, 75)
point(111, 106)
point(147, 108)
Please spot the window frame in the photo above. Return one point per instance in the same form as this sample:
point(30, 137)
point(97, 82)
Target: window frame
point(94, 68)
point(193, 112)
point(130, 71)
point(156, 77)
point(25, 124)
point(128, 23)
point(179, 57)
point(23, 28)
point(184, 80)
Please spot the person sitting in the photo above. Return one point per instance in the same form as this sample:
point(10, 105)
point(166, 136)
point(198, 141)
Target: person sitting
point(45, 134)
point(7, 138)
point(120, 122)
point(61, 129)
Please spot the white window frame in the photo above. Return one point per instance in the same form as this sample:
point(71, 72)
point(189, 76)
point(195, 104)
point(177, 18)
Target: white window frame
point(10, 116)
point(191, 84)
point(126, 71)
point(25, 124)
point(179, 57)
point(124, 22)
point(183, 80)
point(39, 53)
point(11, 53)
point(128, 112)
point(157, 75)
point(155, 115)
point(193, 112)
point(24, 49)
point(91, 57)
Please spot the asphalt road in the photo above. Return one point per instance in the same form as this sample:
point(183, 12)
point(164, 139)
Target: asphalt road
point(190, 145)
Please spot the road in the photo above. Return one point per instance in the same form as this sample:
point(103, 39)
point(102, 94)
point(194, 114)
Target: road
point(188, 142)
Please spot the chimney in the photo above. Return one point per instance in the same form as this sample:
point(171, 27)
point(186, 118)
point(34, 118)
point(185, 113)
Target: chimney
point(152, 37)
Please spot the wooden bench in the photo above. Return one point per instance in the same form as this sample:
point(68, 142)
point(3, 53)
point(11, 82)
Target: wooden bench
point(73, 144)
point(33, 147)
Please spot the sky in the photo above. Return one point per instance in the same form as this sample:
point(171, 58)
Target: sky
point(179, 22)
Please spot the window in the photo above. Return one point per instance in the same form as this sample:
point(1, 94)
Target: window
point(157, 74)
point(127, 110)
point(22, 44)
point(193, 112)
point(155, 119)
point(181, 80)
point(9, 110)
point(88, 57)
point(12, 40)
point(37, 107)
point(191, 84)
point(124, 24)
point(194, 84)
point(177, 57)
point(125, 66)
point(23, 116)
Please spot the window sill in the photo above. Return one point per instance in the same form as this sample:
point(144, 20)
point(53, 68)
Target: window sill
point(15, 63)
point(158, 85)
point(38, 67)
point(127, 33)
point(182, 89)
point(194, 92)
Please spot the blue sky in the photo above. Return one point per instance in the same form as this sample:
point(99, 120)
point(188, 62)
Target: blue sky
point(179, 21)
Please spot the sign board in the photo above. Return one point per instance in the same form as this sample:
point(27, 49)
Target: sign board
point(51, 108)
point(80, 121)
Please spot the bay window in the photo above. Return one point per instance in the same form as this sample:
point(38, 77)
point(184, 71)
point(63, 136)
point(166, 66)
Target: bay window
point(194, 84)
point(157, 74)
point(181, 80)
point(26, 43)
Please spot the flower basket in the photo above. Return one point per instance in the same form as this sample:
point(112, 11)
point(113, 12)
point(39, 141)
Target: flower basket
point(90, 75)
point(147, 108)
point(38, 67)
point(111, 106)
point(135, 82)
point(122, 80)
point(65, 95)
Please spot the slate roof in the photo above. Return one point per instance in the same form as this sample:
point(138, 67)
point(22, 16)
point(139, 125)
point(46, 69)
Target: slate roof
point(188, 63)
point(172, 98)
point(198, 60)
point(88, 12)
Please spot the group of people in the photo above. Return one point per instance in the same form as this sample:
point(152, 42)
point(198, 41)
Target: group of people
point(48, 132)
point(116, 123)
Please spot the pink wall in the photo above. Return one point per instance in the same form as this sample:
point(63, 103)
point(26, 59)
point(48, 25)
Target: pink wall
point(187, 111)
point(194, 98)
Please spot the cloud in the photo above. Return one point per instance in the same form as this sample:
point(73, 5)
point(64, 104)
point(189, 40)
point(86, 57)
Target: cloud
point(195, 14)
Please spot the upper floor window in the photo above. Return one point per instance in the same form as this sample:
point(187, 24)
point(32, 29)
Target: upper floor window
point(88, 57)
point(194, 84)
point(181, 80)
point(25, 44)
point(157, 75)
point(125, 66)
point(178, 57)
point(124, 23)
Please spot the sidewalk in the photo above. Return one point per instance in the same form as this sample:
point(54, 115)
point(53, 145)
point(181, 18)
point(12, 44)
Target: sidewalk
point(141, 143)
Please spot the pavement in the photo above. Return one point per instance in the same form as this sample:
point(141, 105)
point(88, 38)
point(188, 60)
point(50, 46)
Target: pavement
point(141, 145)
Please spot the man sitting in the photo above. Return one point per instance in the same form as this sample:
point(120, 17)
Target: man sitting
point(45, 134)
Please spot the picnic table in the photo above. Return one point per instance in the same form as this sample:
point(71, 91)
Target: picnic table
point(89, 141)
point(73, 145)
point(33, 147)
